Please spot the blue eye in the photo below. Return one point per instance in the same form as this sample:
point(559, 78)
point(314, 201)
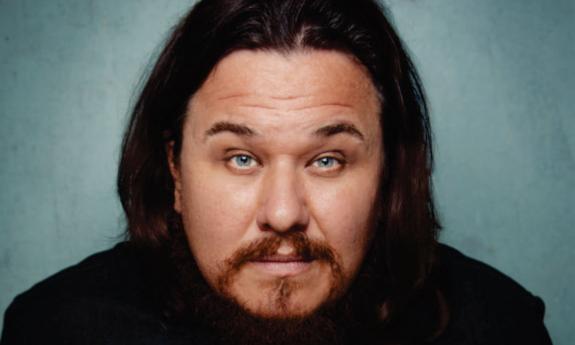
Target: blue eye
point(243, 161)
point(327, 162)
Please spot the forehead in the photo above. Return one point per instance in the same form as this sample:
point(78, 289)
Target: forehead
point(294, 90)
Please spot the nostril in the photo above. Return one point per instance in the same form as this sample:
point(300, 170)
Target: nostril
point(297, 227)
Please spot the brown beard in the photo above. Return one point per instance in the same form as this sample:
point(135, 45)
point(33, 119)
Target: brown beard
point(304, 248)
point(354, 316)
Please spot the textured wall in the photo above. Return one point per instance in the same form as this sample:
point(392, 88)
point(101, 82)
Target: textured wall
point(499, 75)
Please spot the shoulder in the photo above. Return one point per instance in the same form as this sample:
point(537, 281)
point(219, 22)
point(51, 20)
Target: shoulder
point(105, 296)
point(486, 306)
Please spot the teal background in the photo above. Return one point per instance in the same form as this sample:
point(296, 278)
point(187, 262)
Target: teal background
point(500, 79)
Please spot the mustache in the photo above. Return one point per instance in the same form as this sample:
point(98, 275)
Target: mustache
point(304, 248)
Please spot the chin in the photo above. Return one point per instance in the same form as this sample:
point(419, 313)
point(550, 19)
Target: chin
point(284, 312)
point(282, 298)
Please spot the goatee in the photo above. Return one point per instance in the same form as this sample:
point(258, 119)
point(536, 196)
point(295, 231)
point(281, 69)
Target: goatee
point(353, 317)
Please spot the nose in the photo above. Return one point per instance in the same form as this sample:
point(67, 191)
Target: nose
point(283, 207)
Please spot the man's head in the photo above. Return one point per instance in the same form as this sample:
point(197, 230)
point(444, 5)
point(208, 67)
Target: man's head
point(291, 140)
point(277, 176)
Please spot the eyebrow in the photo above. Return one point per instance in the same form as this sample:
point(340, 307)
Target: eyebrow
point(245, 131)
point(236, 128)
point(338, 128)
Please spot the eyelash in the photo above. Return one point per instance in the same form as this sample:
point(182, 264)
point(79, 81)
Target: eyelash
point(335, 161)
point(230, 159)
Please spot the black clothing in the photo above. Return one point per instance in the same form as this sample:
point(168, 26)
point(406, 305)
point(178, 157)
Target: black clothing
point(107, 299)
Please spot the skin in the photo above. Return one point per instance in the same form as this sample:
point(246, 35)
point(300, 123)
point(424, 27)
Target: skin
point(234, 186)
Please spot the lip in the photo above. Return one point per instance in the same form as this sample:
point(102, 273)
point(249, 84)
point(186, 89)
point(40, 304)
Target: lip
point(281, 265)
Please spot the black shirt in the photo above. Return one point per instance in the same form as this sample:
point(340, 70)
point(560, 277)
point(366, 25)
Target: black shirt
point(107, 299)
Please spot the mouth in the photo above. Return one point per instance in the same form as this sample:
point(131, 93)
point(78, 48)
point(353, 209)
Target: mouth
point(282, 265)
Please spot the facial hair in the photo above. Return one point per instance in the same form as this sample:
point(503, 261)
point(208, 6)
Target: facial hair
point(282, 288)
point(345, 317)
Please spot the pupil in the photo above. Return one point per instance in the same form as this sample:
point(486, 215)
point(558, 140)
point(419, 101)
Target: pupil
point(243, 160)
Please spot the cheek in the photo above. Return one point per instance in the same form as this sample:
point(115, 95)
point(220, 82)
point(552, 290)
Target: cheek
point(217, 214)
point(343, 213)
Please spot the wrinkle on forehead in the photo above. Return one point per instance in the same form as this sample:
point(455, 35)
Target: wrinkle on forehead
point(287, 93)
point(299, 76)
point(303, 107)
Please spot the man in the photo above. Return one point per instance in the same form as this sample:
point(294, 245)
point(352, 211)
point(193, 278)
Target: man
point(275, 177)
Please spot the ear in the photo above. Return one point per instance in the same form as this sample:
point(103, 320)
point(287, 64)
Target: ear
point(176, 176)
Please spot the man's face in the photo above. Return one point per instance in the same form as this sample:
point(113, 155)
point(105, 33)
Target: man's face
point(277, 178)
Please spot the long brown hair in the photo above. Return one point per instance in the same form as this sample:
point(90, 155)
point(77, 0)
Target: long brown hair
point(405, 240)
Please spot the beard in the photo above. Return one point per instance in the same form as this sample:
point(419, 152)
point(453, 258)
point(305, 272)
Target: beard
point(347, 316)
point(282, 289)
